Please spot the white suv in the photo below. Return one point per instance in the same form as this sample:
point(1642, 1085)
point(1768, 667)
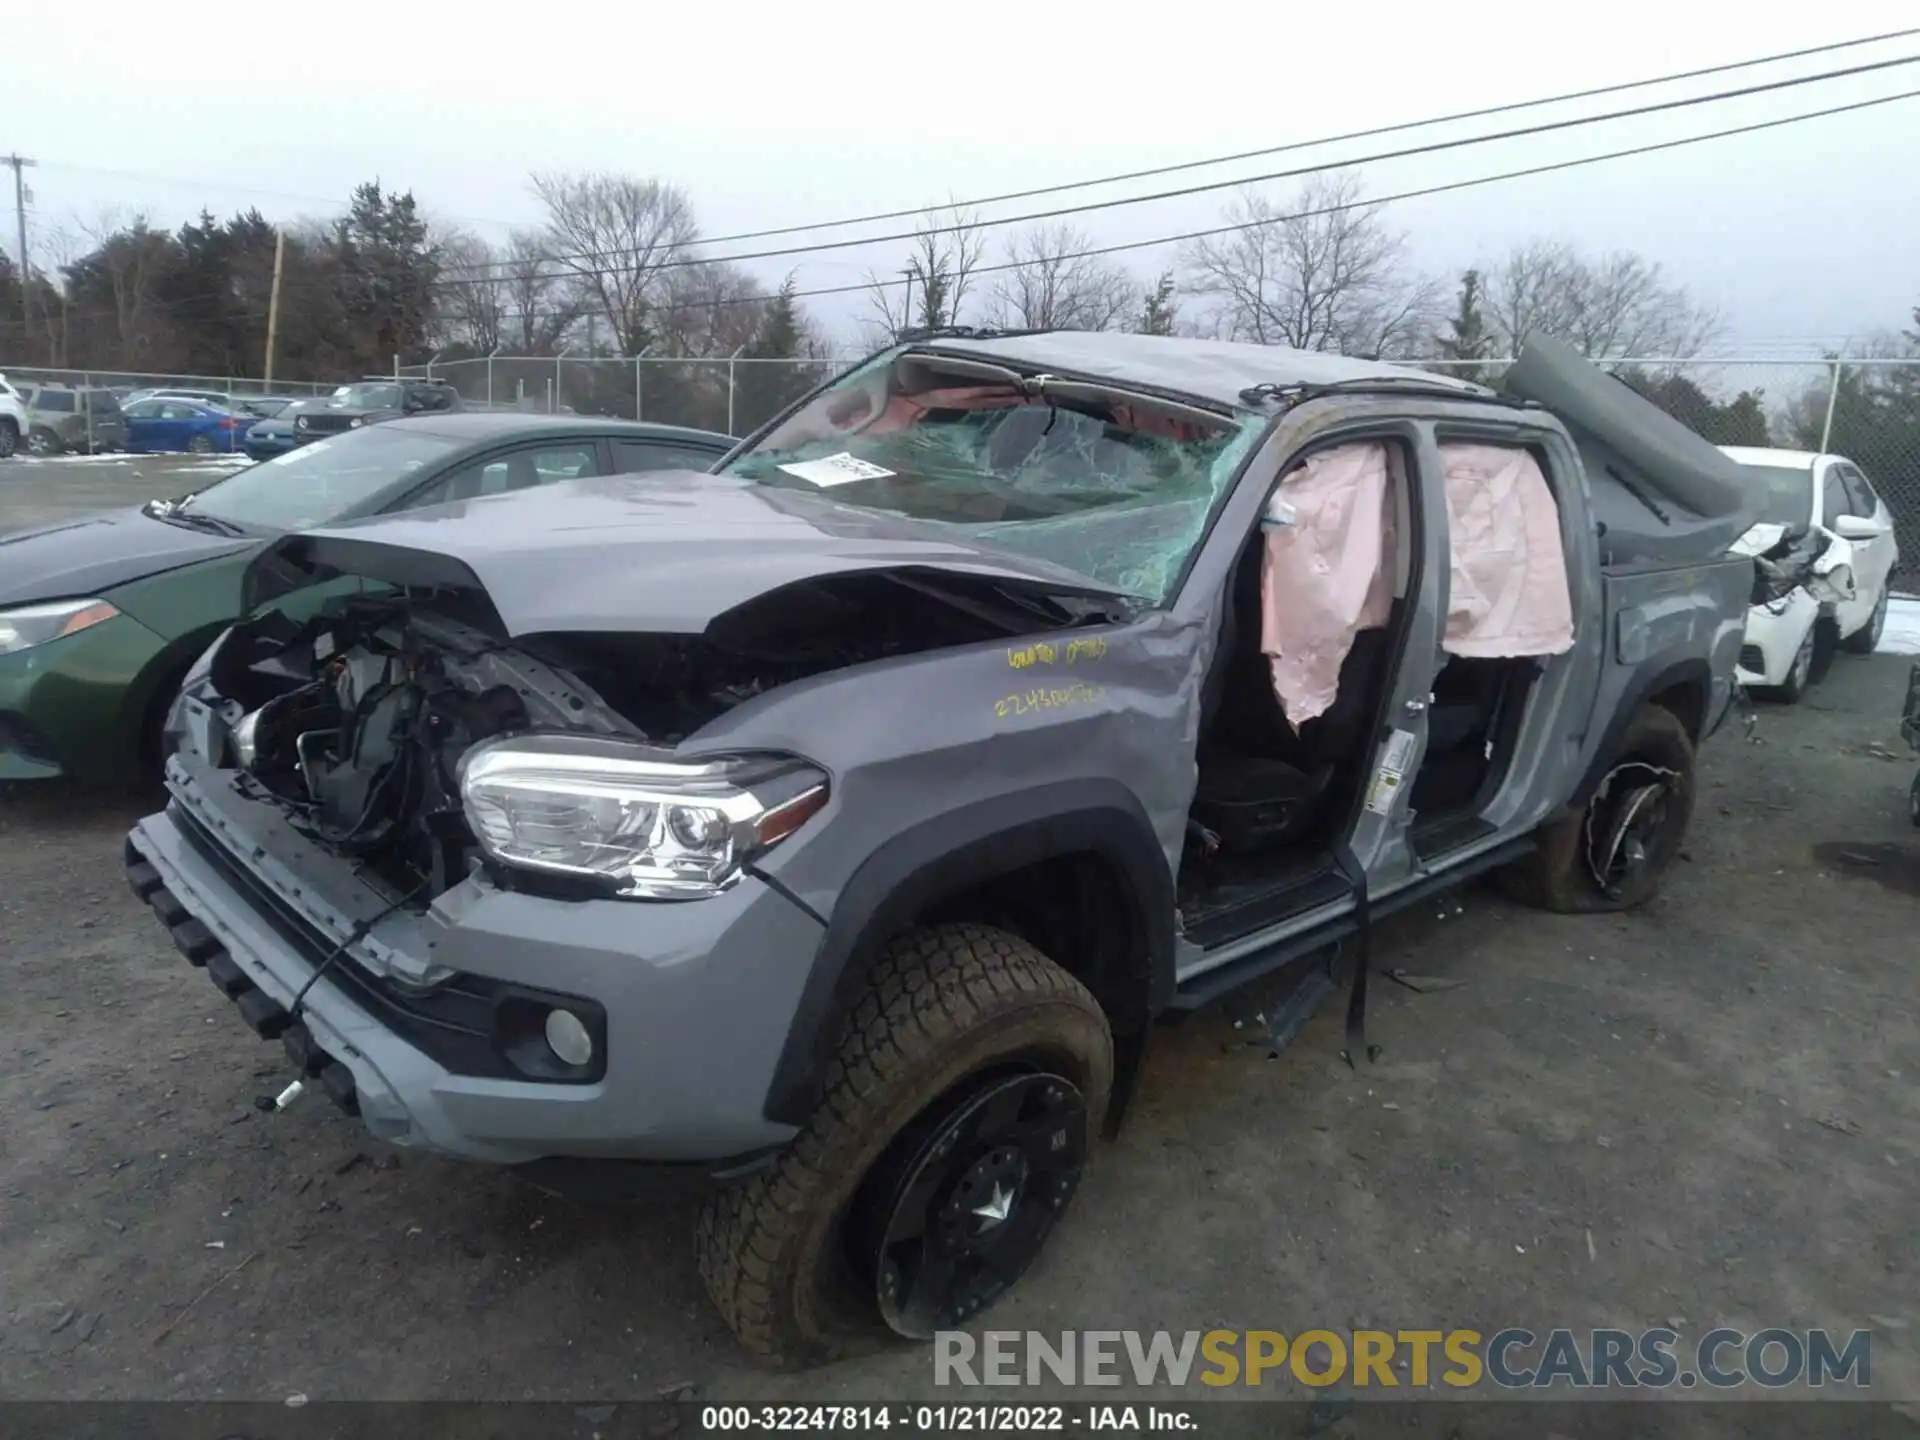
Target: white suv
point(13, 419)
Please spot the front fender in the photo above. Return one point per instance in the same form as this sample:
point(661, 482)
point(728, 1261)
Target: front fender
point(951, 853)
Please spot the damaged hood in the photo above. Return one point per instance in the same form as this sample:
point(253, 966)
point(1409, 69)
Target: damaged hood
point(667, 551)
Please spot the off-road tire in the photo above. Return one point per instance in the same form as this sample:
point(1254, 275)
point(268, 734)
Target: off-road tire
point(1556, 875)
point(1863, 640)
point(944, 1004)
point(9, 437)
point(42, 441)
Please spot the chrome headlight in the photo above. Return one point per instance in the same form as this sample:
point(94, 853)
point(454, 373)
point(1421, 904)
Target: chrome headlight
point(31, 625)
point(651, 826)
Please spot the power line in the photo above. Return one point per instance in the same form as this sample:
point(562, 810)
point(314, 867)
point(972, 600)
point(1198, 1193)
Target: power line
point(1405, 152)
point(1185, 237)
point(882, 216)
point(450, 276)
point(1367, 134)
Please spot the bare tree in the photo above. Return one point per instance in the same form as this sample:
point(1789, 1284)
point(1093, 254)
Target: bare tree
point(931, 289)
point(1618, 304)
point(613, 234)
point(711, 309)
point(128, 258)
point(540, 307)
point(1051, 284)
point(59, 248)
point(473, 305)
point(1325, 272)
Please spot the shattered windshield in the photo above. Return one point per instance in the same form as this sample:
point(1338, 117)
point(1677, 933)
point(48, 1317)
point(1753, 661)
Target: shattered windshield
point(1106, 483)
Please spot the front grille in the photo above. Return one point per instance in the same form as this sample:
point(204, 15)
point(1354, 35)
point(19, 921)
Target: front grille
point(465, 1023)
point(325, 424)
point(1754, 659)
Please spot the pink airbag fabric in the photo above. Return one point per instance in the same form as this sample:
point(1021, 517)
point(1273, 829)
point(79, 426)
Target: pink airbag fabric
point(1509, 593)
point(1329, 574)
point(1325, 576)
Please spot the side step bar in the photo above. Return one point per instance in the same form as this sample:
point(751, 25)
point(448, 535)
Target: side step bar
point(1206, 988)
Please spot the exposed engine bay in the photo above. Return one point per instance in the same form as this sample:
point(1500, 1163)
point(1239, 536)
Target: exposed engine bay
point(355, 722)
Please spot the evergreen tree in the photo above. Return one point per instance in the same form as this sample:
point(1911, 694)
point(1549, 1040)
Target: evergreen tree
point(1158, 315)
point(1468, 338)
point(762, 390)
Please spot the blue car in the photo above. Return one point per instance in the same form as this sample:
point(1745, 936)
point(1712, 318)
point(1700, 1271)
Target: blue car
point(179, 424)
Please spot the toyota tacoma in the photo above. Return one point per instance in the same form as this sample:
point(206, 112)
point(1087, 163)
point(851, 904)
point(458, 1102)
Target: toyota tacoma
point(837, 824)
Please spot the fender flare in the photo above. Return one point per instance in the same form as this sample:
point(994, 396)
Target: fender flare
point(953, 852)
point(1694, 672)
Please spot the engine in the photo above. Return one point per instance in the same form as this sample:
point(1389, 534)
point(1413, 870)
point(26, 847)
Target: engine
point(375, 706)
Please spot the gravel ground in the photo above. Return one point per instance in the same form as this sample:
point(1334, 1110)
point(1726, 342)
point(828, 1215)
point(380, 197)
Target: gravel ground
point(1699, 1114)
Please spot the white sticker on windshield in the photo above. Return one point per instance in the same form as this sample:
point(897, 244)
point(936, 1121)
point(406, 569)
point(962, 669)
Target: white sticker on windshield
point(841, 469)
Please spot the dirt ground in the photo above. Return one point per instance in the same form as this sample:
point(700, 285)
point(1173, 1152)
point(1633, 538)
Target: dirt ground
point(1701, 1114)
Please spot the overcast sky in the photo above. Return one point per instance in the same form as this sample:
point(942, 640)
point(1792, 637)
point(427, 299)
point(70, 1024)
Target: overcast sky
point(783, 114)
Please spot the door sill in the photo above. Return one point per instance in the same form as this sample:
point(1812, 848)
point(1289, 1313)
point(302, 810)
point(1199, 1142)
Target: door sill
point(1208, 985)
point(1446, 833)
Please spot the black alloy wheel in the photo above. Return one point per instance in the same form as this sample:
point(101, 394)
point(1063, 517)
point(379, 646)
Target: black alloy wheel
point(955, 1213)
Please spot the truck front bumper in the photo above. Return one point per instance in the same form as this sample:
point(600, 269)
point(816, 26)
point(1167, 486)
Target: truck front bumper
point(691, 1000)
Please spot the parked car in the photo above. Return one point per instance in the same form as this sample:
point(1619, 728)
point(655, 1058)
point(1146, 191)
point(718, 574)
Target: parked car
point(264, 407)
point(274, 435)
point(371, 401)
point(167, 424)
point(62, 418)
point(13, 419)
point(946, 714)
point(220, 399)
point(1844, 604)
point(99, 617)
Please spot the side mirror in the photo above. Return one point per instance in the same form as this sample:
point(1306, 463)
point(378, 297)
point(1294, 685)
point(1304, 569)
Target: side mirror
point(1859, 527)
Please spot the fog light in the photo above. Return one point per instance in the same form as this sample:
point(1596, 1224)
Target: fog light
point(568, 1038)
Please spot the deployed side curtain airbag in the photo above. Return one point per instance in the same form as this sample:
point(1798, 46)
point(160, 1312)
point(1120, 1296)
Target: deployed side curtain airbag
point(1327, 567)
point(1324, 575)
point(1509, 570)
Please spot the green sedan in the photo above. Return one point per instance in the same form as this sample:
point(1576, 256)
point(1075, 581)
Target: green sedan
point(101, 616)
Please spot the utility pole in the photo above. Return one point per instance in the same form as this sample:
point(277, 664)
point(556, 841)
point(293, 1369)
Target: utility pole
point(20, 165)
point(273, 303)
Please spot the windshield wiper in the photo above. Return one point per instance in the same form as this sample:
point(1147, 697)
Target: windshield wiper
point(175, 513)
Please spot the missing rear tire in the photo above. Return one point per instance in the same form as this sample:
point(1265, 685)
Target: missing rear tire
point(967, 1056)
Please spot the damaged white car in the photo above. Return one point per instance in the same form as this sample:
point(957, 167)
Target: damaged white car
point(1822, 516)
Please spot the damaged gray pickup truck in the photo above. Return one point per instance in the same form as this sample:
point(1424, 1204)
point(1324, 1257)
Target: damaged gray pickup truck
point(835, 825)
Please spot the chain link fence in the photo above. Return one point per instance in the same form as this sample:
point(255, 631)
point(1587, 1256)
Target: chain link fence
point(1865, 409)
point(731, 395)
point(146, 380)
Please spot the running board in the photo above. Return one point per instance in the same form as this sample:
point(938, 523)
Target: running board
point(1206, 988)
point(1291, 1015)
